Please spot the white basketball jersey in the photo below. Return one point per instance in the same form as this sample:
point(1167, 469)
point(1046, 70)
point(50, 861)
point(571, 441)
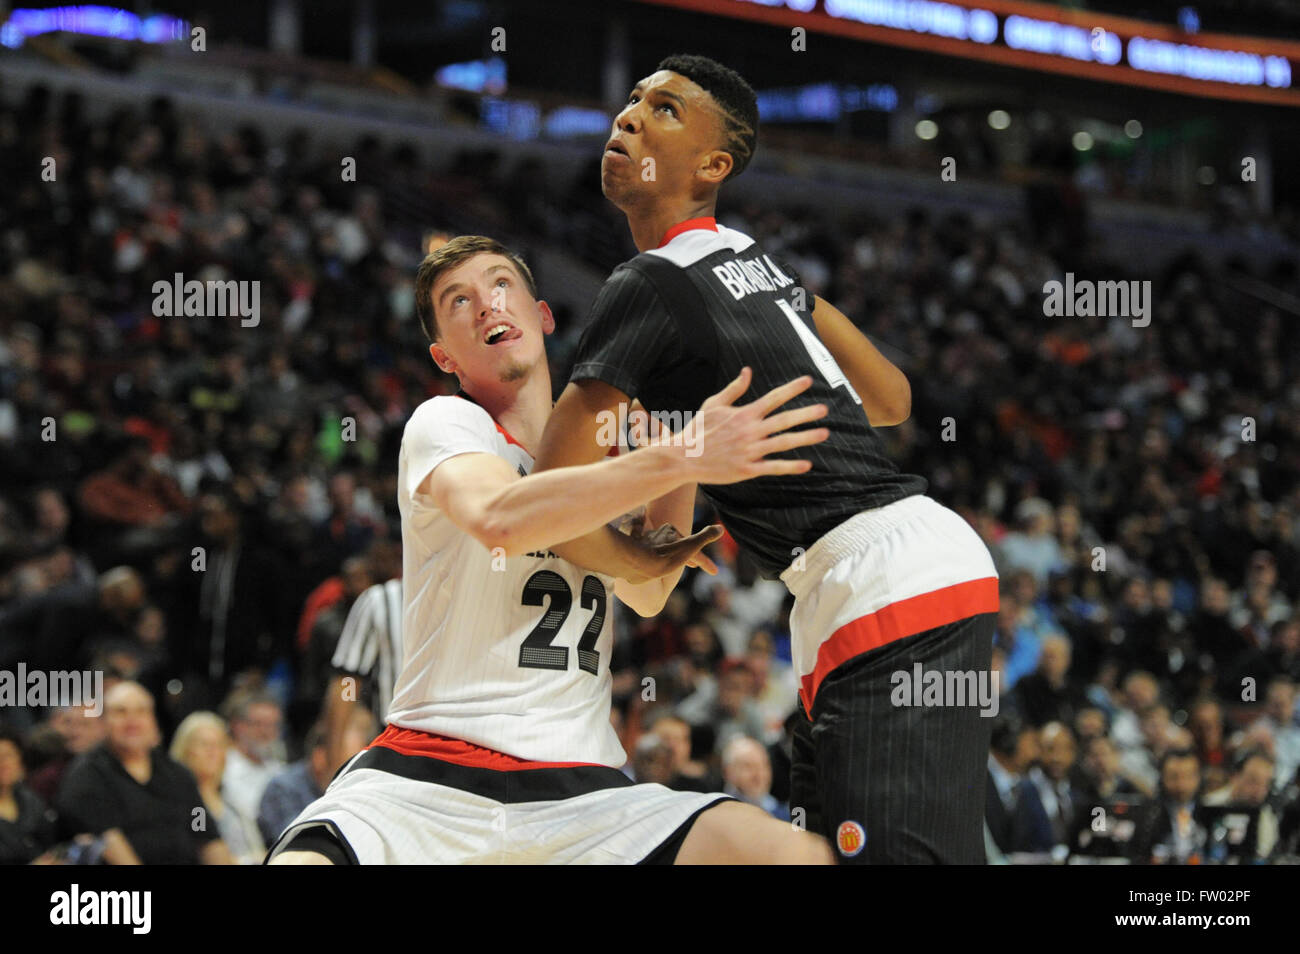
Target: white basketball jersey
point(511, 654)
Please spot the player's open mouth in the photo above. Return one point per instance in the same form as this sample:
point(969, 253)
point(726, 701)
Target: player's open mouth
point(615, 148)
point(499, 332)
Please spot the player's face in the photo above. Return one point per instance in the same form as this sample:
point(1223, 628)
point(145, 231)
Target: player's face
point(669, 132)
point(489, 327)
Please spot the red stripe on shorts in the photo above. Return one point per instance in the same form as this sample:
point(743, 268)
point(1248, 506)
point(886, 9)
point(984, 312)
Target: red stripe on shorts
point(904, 618)
point(457, 751)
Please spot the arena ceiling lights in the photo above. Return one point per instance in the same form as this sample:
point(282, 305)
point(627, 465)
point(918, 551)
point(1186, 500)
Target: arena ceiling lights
point(1055, 39)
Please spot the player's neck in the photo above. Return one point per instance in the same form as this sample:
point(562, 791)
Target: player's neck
point(521, 407)
point(649, 225)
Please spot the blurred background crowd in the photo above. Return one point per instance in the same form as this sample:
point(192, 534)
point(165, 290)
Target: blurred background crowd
point(201, 527)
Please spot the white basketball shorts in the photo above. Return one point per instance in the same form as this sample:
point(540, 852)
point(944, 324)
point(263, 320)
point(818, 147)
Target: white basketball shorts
point(395, 803)
point(880, 576)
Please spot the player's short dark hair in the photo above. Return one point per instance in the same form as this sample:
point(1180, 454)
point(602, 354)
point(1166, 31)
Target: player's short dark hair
point(449, 256)
point(735, 99)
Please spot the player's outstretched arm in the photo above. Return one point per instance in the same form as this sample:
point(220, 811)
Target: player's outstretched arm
point(484, 496)
point(724, 442)
point(886, 395)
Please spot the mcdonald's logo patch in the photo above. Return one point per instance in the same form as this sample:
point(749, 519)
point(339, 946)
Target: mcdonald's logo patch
point(850, 838)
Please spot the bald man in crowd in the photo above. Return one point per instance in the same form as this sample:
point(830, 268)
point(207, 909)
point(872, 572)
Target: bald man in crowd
point(128, 792)
point(747, 771)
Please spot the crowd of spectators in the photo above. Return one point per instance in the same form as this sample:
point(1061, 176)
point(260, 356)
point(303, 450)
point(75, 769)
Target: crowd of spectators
point(184, 508)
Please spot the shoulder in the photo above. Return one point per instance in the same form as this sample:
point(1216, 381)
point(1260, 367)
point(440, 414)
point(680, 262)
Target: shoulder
point(735, 239)
point(94, 761)
point(371, 594)
point(28, 801)
point(447, 408)
point(630, 278)
point(88, 773)
point(174, 772)
point(293, 777)
point(446, 418)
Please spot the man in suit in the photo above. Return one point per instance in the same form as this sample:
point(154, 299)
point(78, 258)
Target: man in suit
point(1013, 814)
point(1061, 801)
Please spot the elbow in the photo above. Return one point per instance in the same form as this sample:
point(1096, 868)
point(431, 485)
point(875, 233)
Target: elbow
point(650, 608)
point(497, 534)
point(644, 604)
point(903, 410)
point(899, 407)
point(887, 415)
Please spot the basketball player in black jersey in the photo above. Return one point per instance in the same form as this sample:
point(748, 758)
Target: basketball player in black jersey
point(886, 581)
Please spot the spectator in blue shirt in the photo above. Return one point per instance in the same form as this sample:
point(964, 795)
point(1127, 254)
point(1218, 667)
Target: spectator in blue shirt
point(304, 781)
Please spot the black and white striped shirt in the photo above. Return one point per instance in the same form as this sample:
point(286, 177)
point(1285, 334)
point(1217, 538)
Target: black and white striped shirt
point(370, 646)
point(675, 324)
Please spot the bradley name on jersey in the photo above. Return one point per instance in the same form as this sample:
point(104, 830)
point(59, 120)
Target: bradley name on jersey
point(744, 277)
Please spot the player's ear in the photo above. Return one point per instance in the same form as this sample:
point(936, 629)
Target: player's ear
point(441, 358)
point(715, 167)
point(548, 319)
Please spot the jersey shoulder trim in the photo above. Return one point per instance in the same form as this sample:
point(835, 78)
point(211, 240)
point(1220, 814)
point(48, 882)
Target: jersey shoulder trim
point(696, 244)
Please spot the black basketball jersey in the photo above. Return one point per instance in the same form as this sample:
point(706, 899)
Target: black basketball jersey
point(673, 325)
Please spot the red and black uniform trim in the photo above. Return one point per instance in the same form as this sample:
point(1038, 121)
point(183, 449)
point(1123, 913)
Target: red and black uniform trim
point(425, 757)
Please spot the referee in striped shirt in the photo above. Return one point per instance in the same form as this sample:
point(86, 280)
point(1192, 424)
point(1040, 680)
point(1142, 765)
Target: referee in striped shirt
point(366, 661)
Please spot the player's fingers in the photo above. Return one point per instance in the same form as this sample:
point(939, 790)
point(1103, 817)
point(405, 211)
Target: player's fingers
point(701, 538)
point(788, 419)
point(680, 551)
point(729, 395)
point(793, 439)
point(704, 563)
point(779, 395)
point(769, 468)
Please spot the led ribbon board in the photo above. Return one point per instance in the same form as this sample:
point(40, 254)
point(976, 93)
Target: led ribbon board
point(1039, 36)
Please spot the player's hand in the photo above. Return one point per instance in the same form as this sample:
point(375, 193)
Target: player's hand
point(661, 538)
point(670, 552)
point(726, 443)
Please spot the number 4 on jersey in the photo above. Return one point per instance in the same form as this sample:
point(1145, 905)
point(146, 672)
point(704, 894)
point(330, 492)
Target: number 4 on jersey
point(817, 351)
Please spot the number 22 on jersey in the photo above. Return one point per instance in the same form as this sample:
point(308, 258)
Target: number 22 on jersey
point(537, 651)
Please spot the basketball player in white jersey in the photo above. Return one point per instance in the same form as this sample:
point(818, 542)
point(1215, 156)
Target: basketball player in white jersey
point(499, 747)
